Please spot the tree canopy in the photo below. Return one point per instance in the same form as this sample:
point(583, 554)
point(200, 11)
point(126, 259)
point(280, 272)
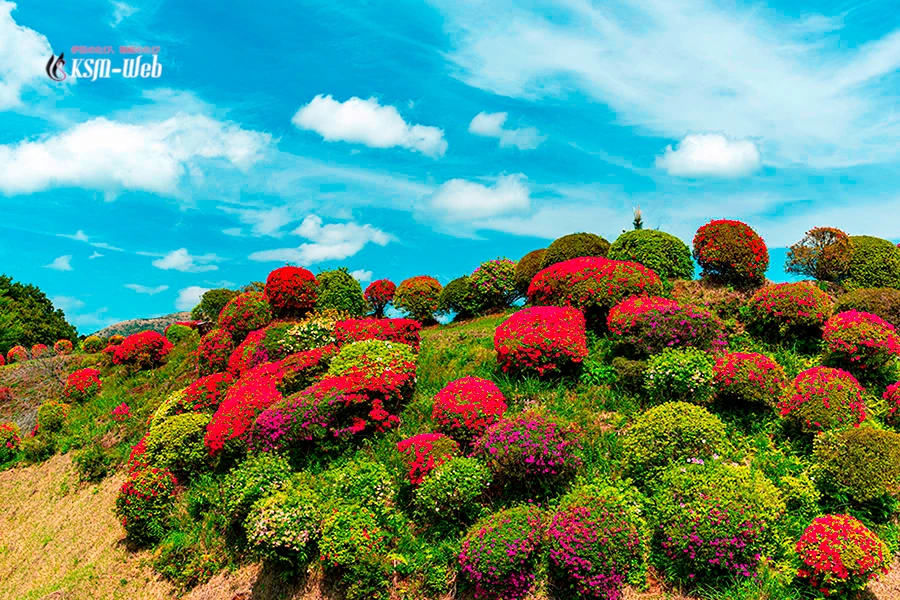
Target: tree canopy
point(28, 317)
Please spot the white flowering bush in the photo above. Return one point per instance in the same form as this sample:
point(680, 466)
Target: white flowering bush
point(285, 525)
point(680, 375)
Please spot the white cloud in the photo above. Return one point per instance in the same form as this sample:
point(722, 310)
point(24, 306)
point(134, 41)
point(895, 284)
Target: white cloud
point(121, 11)
point(61, 263)
point(110, 155)
point(95, 255)
point(269, 221)
point(184, 261)
point(361, 275)
point(106, 246)
point(459, 200)
point(23, 56)
point(710, 155)
point(78, 236)
point(189, 297)
point(335, 241)
point(233, 231)
point(143, 289)
point(367, 122)
point(67, 304)
point(491, 125)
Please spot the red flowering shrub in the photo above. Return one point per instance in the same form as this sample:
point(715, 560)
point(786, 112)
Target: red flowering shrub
point(144, 502)
point(824, 398)
point(92, 344)
point(6, 394)
point(10, 438)
point(248, 354)
point(63, 347)
point(137, 458)
point(2, 360)
point(593, 284)
point(788, 310)
point(404, 331)
point(824, 254)
point(379, 294)
point(731, 252)
point(39, 351)
point(291, 291)
point(464, 408)
point(205, 394)
point(892, 397)
point(647, 325)
point(541, 339)
point(624, 315)
point(144, 350)
point(82, 385)
point(861, 340)
point(121, 413)
point(840, 555)
point(245, 313)
point(213, 352)
point(16, 354)
point(419, 297)
point(425, 451)
point(749, 378)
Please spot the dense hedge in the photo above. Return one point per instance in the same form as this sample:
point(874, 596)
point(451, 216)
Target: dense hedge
point(884, 302)
point(788, 311)
point(875, 264)
point(527, 267)
point(541, 340)
point(668, 256)
point(574, 245)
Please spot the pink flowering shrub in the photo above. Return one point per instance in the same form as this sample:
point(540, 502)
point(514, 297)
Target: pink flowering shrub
point(731, 252)
point(10, 438)
point(39, 351)
point(137, 458)
point(248, 354)
point(205, 394)
point(500, 552)
point(749, 378)
point(465, 407)
point(892, 397)
point(425, 451)
point(213, 352)
point(144, 350)
point(2, 359)
point(121, 413)
point(824, 398)
point(787, 310)
point(644, 326)
point(16, 354)
point(6, 394)
point(404, 331)
point(541, 339)
point(82, 385)
point(245, 313)
point(861, 340)
point(63, 347)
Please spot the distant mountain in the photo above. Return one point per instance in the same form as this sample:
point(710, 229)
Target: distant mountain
point(135, 325)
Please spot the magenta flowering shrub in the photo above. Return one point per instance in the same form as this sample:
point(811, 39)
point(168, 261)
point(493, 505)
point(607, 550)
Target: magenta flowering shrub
point(749, 378)
point(82, 385)
point(425, 451)
point(541, 339)
point(121, 413)
point(643, 326)
point(10, 438)
point(499, 553)
point(892, 397)
point(860, 340)
point(465, 407)
point(824, 398)
point(404, 331)
point(213, 352)
point(39, 351)
point(787, 310)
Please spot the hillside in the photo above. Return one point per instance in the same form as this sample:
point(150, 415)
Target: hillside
point(159, 324)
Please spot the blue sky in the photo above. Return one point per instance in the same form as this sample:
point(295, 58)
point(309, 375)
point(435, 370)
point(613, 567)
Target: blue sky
point(410, 138)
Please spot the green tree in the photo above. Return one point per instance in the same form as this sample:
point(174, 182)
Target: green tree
point(211, 304)
point(28, 317)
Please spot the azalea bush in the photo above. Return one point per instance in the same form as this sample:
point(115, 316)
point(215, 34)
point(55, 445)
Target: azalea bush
point(286, 521)
point(339, 290)
point(465, 407)
point(353, 547)
point(144, 504)
point(749, 378)
point(245, 313)
point(2, 359)
point(787, 311)
point(731, 252)
point(862, 463)
point(213, 352)
point(884, 302)
point(451, 490)
point(423, 452)
point(204, 394)
point(494, 283)
point(51, 416)
point(418, 297)
point(176, 443)
point(6, 394)
point(16, 354)
point(680, 375)
point(144, 350)
point(574, 245)
point(668, 256)
point(121, 413)
point(10, 439)
point(291, 291)
point(892, 397)
point(460, 298)
point(541, 340)
point(646, 325)
point(39, 351)
point(252, 479)
point(840, 556)
point(92, 344)
point(404, 331)
point(63, 347)
point(860, 341)
point(824, 398)
point(379, 294)
point(82, 385)
point(177, 333)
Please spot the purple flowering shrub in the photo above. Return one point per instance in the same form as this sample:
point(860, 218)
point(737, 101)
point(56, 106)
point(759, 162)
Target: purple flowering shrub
point(714, 520)
point(500, 552)
point(643, 328)
point(599, 542)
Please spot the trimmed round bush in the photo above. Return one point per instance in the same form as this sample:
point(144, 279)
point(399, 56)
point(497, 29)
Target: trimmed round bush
point(211, 304)
point(63, 347)
point(574, 245)
point(338, 290)
point(860, 341)
point(680, 375)
point(403, 331)
point(646, 325)
point(593, 285)
point(465, 407)
point(669, 434)
point(204, 394)
point(82, 385)
point(668, 256)
point(716, 520)
point(823, 254)
point(786, 311)
point(423, 452)
point(418, 297)
point(863, 463)
point(17, 354)
point(541, 339)
point(379, 294)
point(144, 504)
point(494, 282)
point(892, 397)
point(875, 264)
point(507, 574)
point(10, 439)
point(257, 477)
point(823, 398)
point(749, 378)
point(291, 291)
point(213, 352)
point(51, 416)
point(599, 541)
point(176, 443)
point(731, 252)
point(362, 481)
point(177, 333)
point(372, 356)
point(451, 490)
point(285, 523)
point(245, 313)
point(39, 351)
point(460, 297)
point(884, 302)
point(527, 267)
point(144, 350)
point(840, 556)
point(92, 344)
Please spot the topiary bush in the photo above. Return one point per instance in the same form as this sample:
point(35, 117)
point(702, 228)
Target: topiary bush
point(823, 254)
point(731, 252)
point(286, 522)
point(884, 302)
point(419, 297)
point(668, 256)
point(177, 333)
point(338, 290)
point(787, 311)
point(669, 434)
point(245, 313)
point(646, 325)
point(403, 331)
point(861, 463)
point(63, 347)
point(362, 481)
point(144, 504)
point(144, 350)
point(599, 542)
point(459, 297)
point(875, 264)
point(257, 477)
point(465, 407)
point(680, 375)
point(840, 556)
point(379, 294)
point(82, 385)
point(51, 416)
point(749, 378)
point(16, 354)
point(371, 356)
point(527, 267)
point(451, 490)
point(574, 245)
point(824, 398)
point(10, 439)
point(291, 291)
point(176, 443)
point(213, 352)
point(541, 340)
point(508, 574)
point(860, 341)
point(423, 452)
point(92, 344)
point(494, 285)
point(39, 351)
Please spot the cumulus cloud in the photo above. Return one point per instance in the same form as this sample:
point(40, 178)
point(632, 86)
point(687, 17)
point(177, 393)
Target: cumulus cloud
point(189, 297)
point(143, 289)
point(710, 155)
point(184, 261)
point(361, 275)
point(460, 200)
point(491, 125)
point(369, 123)
point(335, 241)
point(109, 156)
point(23, 56)
point(61, 263)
